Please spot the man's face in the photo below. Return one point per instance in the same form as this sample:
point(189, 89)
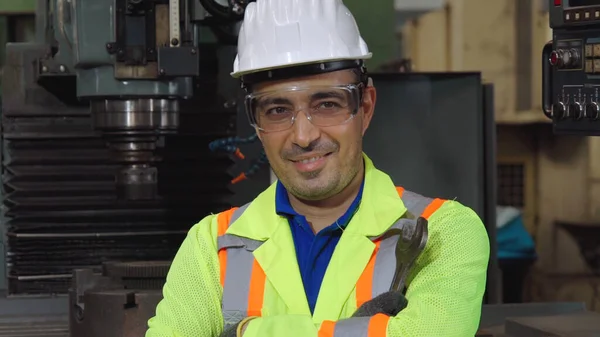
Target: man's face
point(315, 162)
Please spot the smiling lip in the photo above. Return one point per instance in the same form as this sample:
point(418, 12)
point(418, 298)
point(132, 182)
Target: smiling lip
point(311, 163)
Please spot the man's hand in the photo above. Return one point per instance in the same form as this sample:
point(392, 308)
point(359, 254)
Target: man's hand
point(230, 332)
point(390, 303)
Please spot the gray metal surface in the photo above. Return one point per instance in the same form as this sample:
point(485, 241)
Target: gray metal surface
point(434, 134)
point(585, 324)
point(34, 326)
point(427, 134)
point(136, 114)
point(34, 317)
point(493, 293)
point(492, 315)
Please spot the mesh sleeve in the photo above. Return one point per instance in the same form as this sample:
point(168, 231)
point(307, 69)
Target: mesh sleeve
point(447, 284)
point(191, 304)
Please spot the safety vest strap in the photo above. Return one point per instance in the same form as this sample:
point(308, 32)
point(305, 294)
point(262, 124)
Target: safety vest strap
point(379, 273)
point(243, 280)
point(375, 326)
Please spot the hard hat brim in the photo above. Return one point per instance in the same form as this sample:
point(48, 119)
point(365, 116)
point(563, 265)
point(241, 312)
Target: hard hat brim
point(240, 73)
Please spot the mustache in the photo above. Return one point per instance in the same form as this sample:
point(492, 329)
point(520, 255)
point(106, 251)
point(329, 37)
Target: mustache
point(317, 146)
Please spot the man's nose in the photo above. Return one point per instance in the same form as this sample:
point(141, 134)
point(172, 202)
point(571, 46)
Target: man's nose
point(304, 132)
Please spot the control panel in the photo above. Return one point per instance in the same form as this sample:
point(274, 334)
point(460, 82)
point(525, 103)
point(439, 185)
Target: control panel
point(571, 67)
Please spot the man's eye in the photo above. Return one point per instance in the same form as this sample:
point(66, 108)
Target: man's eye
point(277, 110)
point(328, 105)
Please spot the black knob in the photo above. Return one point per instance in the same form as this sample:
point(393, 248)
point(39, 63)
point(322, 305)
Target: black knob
point(592, 111)
point(577, 110)
point(559, 111)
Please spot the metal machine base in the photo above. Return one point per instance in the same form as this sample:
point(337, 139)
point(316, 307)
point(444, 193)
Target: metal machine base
point(118, 302)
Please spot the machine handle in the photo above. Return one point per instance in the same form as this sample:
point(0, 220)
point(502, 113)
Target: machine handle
point(547, 80)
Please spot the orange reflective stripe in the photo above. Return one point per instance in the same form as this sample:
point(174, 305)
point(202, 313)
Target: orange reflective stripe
point(375, 326)
point(256, 294)
point(223, 220)
point(432, 207)
point(327, 329)
point(400, 191)
point(378, 325)
point(364, 286)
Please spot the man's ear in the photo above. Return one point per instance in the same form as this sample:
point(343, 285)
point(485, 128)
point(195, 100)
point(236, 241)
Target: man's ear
point(259, 134)
point(368, 105)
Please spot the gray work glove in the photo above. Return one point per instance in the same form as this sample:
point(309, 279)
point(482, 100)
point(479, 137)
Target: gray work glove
point(390, 303)
point(231, 331)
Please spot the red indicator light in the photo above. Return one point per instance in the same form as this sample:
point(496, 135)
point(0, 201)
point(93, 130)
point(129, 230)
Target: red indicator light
point(553, 58)
point(557, 2)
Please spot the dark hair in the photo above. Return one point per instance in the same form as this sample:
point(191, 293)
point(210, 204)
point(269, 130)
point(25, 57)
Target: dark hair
point(361, 75)
point(358, 74)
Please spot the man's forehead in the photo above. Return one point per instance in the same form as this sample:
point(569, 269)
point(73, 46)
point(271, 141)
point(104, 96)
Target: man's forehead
point(340, 77)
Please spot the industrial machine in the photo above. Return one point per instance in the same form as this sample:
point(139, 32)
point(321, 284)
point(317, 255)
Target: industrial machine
point(571, 99)
point(107, 160)
point(571, 67)
point(571, 87)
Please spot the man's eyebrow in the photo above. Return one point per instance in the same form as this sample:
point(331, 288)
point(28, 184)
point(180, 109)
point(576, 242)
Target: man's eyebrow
point(273, 100)
point(328, 94)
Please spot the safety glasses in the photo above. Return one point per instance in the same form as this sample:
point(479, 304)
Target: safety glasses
point(323, 106)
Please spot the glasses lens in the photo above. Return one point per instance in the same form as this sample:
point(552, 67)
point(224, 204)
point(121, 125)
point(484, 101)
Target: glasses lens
point(324, 106)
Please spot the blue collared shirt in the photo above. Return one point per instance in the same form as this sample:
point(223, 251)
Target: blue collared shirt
point(313, 251)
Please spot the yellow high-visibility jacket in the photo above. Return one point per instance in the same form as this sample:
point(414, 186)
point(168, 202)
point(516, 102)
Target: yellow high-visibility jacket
point(242, 263)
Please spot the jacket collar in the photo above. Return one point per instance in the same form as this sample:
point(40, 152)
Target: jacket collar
point(380, 206)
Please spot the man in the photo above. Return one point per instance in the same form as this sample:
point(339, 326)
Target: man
point(314, 254)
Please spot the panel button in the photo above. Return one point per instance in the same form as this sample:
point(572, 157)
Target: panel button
point(589, 51)
point(589, 66)
point(577, 110)
point(559, 110)
point(592, 110)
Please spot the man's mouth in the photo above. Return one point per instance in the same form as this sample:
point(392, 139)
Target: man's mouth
point(311, 159)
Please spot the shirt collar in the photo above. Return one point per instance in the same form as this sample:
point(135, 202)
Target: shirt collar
point(284, 207)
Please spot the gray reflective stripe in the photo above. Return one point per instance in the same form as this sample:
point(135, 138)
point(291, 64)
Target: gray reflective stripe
point(233, 241)
point(385, 261)
point(385, 265)
point(415, 203)
point(238, 272)
point(238, 213)
point(229, 241)
point(237, 279)
point(354, 327)
point(233, 317)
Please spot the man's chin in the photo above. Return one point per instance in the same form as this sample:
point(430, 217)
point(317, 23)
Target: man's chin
point(310, 175)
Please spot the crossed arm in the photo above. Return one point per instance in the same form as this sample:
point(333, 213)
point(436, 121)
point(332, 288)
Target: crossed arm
point(444, 295)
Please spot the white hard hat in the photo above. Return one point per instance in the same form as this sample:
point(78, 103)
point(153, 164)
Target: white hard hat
point(287, 33)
